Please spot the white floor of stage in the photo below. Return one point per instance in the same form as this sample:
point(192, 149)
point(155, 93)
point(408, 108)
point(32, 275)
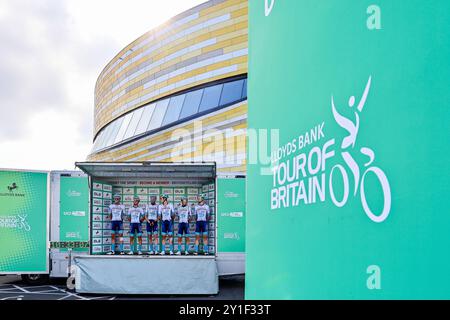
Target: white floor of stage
point(117, 256)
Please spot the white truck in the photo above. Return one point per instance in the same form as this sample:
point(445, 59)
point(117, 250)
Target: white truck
point(48, 219)
point(44, 220)
point(99, 273)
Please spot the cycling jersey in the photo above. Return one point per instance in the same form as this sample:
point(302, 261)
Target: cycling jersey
point(166, 212)
point(136, 214)
point(202, 212)
point(117, 211)
point(183, 214)
point(152, 212)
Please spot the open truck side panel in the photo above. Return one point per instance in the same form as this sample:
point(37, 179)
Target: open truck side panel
point(100, 273)
point(231, 218)
point(225, 195)
point(24, 221)
point(69, 222)
point(147, 179)
point(57, 207)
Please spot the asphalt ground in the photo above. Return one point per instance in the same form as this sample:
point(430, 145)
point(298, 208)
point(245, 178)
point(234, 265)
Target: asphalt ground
point(12, 288)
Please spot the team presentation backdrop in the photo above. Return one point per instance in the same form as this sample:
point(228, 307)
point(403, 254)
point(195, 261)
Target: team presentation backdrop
point(23, 222)
point(357, 202)
point(101, 226)
point(74, 211)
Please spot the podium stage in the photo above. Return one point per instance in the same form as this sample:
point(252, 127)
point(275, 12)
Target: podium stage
point(158, 275)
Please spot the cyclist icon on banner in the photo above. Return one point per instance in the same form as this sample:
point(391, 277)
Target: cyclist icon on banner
point(348, 143)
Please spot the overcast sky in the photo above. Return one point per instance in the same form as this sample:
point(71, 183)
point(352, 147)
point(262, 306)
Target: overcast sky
point(51, 54)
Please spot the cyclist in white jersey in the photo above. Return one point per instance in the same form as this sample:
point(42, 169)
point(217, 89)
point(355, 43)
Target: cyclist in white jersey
point(166, 215)
point(161, 201)
point(183, 213)
point(201, 229)
point(151, 217)
point(136, 215)
point(116, 214)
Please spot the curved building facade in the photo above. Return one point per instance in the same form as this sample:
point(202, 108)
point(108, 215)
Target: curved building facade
point(179, 92)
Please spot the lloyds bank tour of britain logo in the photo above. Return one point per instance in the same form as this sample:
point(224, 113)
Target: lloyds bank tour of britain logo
point(18, 222)
point(301, 180)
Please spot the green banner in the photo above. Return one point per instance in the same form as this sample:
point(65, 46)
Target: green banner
point(353, 202)
point(23, 222)
point(74, 210)
point(231, 215)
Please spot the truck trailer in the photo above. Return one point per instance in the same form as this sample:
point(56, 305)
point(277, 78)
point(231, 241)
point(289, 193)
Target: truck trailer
point(44, 221)
point(100, 273)
point(56, 222)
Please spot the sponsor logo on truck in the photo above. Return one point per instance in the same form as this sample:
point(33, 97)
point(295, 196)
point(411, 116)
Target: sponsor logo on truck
point(179, 191)
point(73, 193)
point(231, 194)
point(73, 235)
point(15, 222)
point(232, 236)
point(12, 188)
point(232, 214)
point(75, 213)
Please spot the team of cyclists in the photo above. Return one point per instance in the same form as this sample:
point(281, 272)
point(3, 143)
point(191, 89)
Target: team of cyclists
point(158, 216)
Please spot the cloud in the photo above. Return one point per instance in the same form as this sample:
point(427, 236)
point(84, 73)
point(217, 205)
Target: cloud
point(30, 80)
point(57, 140)
point(52, 52)
point(45, 65)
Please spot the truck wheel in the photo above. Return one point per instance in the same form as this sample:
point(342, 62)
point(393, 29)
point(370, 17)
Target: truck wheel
point(35, 279)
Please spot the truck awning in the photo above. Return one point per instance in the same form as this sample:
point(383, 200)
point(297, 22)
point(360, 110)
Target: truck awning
point(149, 170)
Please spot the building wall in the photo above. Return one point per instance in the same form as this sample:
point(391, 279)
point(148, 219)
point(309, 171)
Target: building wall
point(219, 136)
point(202, 45)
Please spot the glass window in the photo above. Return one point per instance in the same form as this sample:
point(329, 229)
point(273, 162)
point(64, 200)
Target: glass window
point(170, 110)
point(123, 128)
point(106, 135)
point(145, 119)
point(102, 138)
point(211, 98)
point(97, 141)
point(133, 123)
point(191, 103)
point(232, 91)
point(174, 109)
point(158, 114)
point(115, 126)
